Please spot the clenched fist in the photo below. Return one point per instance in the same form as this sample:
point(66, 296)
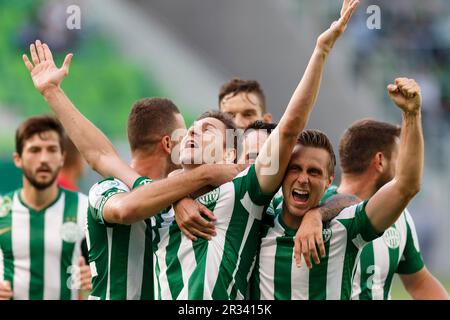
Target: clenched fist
point(405, 93)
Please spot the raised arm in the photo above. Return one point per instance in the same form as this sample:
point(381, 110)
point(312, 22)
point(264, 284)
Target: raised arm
point(386, 205)
point(89, 140)
point(276, 152)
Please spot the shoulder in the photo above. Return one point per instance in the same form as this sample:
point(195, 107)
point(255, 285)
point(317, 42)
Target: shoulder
point(104, 189)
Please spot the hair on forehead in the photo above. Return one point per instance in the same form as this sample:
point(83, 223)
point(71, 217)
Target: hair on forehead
point(38, 125)
point(236, 86)
point(318, 139)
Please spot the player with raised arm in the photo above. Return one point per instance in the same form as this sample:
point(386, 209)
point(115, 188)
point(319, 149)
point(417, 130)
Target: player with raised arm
point(364, 173)
point(309, 174)
point(42, 225)
point(114, 228)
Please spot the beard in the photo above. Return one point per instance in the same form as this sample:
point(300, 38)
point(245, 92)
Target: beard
point(382, 180)
point(40, 185)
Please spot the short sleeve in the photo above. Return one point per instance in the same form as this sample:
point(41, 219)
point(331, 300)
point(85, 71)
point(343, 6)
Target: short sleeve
point(100, 193)
point(411, 260)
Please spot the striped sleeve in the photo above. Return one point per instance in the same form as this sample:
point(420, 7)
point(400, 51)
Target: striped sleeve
point(359, 227)
point(100, 193)
point(411, 260)
point(249, 184)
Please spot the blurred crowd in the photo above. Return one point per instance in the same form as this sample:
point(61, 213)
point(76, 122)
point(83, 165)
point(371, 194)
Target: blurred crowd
point(413, 40)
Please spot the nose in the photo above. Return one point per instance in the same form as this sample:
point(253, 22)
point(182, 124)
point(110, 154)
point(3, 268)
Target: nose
point(303, 178)
point(240, 121)
point(44, 156)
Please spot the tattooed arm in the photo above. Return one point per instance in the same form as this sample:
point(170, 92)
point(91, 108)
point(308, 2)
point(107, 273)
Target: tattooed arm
point(309, 235)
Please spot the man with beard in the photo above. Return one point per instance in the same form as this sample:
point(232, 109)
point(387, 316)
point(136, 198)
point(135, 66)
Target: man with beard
point(368, 151)
point(41, 224)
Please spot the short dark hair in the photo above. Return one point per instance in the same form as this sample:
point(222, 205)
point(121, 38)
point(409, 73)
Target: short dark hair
point(261, 125)
point(362, 140)
point(227, 120)
point(318, 139)
point(236, 86)
point(38, 125)
point(150, 119)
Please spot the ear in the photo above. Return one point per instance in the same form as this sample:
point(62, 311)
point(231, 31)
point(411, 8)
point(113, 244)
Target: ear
point(267, 118)
point(166, 144)
point(330, 181)
point(230, 155)
point(17, 160)
point(378, 162)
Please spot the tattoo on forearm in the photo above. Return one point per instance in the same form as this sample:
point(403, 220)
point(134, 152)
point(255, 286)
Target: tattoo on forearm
point(335, 204)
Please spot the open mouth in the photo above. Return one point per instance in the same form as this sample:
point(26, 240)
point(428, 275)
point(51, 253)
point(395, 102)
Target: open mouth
point(301, 196)
point(191, 144)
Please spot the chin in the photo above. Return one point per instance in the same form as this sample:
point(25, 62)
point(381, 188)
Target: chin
point(296, 211)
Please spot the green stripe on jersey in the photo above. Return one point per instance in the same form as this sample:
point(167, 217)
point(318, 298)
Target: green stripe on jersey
point(381, 258)
point(120, 255)
point(219, 268)
point(279, 277)
point(39, 249)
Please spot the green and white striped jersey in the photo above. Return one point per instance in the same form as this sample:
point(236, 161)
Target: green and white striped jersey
point(276, 275)
point(120, 256)
point(39, 250)
point(219, 268)
point(397, 251)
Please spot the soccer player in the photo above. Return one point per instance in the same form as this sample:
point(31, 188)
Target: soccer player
point(119, 237)
point(41, 224)
point(220, 268)
point(309, 174)
point(244, 100)
point(255, 135)
point(368, 151)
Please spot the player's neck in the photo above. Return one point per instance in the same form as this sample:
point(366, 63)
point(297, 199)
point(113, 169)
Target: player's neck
point(363, 186)
point(150, 165)
point(38, 199)
point(291, 221)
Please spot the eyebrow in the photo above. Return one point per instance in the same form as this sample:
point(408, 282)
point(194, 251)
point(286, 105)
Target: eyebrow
point(205, 125)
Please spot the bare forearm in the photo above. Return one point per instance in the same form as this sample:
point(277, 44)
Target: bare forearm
point(89, 140)
point(152, 198)
point(411, 154)
point(300, 106)
point(424, 286)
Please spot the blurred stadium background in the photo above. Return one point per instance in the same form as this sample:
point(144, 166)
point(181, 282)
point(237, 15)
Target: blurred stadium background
point(185, 50)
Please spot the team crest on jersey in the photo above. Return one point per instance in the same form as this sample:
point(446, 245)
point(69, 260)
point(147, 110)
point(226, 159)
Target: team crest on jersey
point(392, 238)
point(326, 234)
point(210, 197)
point(5, 206)
point(71, 232)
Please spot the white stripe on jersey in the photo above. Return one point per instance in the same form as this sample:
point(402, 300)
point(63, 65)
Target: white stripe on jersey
point(54, 217)
point(267, 265)
point(255, 212)
point(109, 232)
point(82, 223)
point(20, 228)
point(136, 250)
point(336, 256)
point(187, 255)
point(356, 282)
point(380, 271)
point(217, 243)
point(413, 229)
point(299, 280)
point(161, 257)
